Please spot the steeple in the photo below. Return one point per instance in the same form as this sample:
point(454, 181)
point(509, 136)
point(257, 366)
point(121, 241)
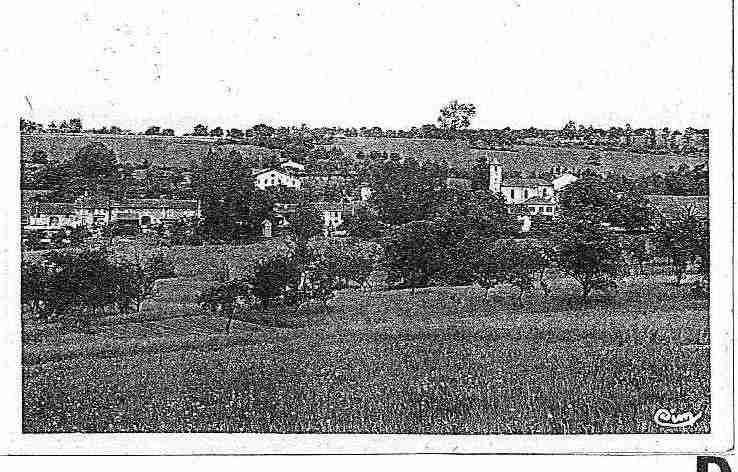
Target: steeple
point(495, 175)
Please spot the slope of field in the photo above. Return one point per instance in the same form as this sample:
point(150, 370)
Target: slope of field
point(457, 152)
point(158, 150)
point(527, 159)
point(388, 362)
point(540, 159)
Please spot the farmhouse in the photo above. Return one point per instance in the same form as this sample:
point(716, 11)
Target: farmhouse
point(88, 211)
point(49, 215)
point(335, 213)
point(292, 165)
point(536, 206)
point(264, 178)
point(563, 180)
point(517, 191)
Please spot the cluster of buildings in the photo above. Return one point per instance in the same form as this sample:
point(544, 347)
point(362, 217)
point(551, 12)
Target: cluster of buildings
point(95, 212)
point(527, 197)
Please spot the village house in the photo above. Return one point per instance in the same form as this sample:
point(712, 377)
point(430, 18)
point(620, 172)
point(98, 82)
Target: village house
point(292, 165)
point(517, 191)
point(335, 213)
point(87, 211)
point(563, 180)
point(264, 178)
point(527, 197)
point(326, 177)
point(44, 215)
point(536, 206)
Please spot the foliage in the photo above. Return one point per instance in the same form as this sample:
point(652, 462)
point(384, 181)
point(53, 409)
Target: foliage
point(412, 254)
point(480, 174)
point(221, 298)
point(334, 263)
point(456, 116)
point(589, 254)
point(77, 284)
point(520, 263)
point(364, 224)
point(276, 277)
point(305, 223)
point(592, 201)
point(232, 209)
point(682, 241)
point(406, 191)
point(636, 247)
point(462, 222)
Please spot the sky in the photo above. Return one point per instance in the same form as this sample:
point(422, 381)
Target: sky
point(369, 62)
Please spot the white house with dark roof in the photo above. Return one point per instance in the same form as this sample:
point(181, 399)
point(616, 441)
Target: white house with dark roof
point(563, 180)
point(292, 165)
point(517, 190)
point(264, 178)
point(539, 206)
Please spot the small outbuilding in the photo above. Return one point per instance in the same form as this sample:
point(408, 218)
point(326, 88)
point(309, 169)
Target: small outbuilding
point(266, 229)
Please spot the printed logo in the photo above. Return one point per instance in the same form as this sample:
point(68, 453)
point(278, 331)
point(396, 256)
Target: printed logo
point(671, 419)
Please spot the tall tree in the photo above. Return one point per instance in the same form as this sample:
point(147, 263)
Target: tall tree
point(232, 208)
point(682, 241)
point(589, 254)
point(92, 170)
point(406, 191)
point(455, 116)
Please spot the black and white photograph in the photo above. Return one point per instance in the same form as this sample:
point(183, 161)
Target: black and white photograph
point(370, 226)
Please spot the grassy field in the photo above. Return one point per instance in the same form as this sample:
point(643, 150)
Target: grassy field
point(523, 158)
point(382, 362)
point(186, 151)
point(159, 150)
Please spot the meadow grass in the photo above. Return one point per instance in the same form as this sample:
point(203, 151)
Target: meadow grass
point(387, 362)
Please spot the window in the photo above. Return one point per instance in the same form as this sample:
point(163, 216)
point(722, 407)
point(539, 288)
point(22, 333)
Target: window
point(512, 193)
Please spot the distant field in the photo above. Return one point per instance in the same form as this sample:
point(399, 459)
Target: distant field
point(532, 158)
point(524, 158)
point(383, 362)
point(158, 150)
point(186, 151)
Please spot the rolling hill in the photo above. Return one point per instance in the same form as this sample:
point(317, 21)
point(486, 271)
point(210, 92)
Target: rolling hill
point(183, 151)
point(162, 151)
point(527, 159)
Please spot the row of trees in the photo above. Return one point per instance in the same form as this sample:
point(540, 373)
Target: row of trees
point(307, 271)
point(79, 285)
point(469, 237)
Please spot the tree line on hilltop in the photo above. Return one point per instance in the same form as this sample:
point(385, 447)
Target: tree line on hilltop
point(453, 122)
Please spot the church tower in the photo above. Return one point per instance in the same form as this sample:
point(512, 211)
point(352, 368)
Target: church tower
point(495, 175)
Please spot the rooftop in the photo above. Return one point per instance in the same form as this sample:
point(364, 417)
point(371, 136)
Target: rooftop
point(539, 201)
point(526, 183)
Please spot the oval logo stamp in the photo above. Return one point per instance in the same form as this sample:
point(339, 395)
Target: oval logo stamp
point(672, 419)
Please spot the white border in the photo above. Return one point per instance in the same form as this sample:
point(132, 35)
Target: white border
point(719, 440)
